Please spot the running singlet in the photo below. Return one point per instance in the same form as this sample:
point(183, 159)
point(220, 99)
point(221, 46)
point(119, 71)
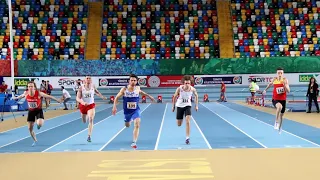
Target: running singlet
point(279, 92)
point(131, 100)
point(87, 96)
point(184, 98)
point(34, 102)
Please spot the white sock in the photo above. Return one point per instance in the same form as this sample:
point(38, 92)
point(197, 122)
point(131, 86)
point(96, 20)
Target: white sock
point(187, 137)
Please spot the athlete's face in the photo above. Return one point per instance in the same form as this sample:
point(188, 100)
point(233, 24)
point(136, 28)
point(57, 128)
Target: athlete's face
point(88, 79)
point(133, 81)
point(31, 87)
point(187, 83)
point(280, 73)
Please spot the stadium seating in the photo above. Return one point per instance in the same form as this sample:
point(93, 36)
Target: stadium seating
point(44, 29)
point(276, 28)
point(150, 29)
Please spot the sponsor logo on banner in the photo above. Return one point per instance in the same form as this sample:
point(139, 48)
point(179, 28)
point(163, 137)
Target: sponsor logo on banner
point(23, 82)
point(103, 82)
point(217, 80)
point(306, 77)
point(113, 81)
point(142, 81)
point(260, 79)
point(164, 81)
point(67, 82)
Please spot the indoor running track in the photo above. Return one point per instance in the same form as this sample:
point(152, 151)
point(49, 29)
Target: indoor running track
point(214, 126)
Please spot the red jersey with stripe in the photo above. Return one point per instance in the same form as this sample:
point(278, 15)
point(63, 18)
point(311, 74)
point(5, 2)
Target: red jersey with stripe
point(279, 92)
point(34, 102)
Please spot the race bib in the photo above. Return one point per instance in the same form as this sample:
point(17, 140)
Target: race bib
point(280, 90)
point(87, 95)
point(131, 105)
point(32, 105)
point(185, 100)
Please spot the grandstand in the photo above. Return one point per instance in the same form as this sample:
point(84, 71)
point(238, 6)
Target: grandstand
point(280, 28)
point(44, 29)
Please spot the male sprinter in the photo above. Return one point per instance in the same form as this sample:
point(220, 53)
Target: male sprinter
point(184, 93)
point(131, 107)
point(35, 112)
point(279, 96)
point(85, 97)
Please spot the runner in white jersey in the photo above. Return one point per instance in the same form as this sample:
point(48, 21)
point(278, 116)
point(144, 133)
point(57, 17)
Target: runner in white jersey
point(85, 97)
point(183, 103)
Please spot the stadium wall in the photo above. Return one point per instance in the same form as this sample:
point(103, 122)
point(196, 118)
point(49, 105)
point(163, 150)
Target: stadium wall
point(215, 66)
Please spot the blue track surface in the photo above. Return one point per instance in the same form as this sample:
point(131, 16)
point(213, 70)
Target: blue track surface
point(214, 126)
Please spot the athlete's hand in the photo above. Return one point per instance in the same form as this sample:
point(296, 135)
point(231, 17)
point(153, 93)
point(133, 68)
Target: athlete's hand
point(114, 110)
point(196, 107)
point(284, 82)
point(264, 92)
point(173, 108)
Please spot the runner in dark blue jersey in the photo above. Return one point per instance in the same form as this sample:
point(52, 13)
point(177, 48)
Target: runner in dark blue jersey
point(131, 108)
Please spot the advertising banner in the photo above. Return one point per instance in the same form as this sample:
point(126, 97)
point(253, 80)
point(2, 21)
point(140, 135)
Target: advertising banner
point(164, 81)
point(305, 78)
point(119, 81)
point(212, 80)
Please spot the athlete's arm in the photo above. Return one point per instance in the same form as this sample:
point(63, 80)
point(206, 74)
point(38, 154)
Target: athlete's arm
point(196, 96)
point(99, 94)
point(286, 85)
point(175, 97)
point(21, 96)
point(269, 85)
point(145, 94)
point(49, 96)
point(120, 94)
point(79, 96)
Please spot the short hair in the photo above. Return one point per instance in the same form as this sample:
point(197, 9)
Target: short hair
point(280, 69)
point(32, 82)
point(62, 87)
point(133, 76)
point(187, 78)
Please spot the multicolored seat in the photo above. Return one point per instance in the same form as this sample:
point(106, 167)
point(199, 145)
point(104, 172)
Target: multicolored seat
point(44, 29)
point(150, 29)
point(264, 28)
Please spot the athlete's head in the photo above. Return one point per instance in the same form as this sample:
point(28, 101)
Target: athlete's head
point(280, 72)
point(32, 86)
point(88, 79)
point(187, 80)
point(133, 79)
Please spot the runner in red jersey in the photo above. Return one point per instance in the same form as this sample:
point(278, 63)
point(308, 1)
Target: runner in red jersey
point(34, 99)
point(279, 96)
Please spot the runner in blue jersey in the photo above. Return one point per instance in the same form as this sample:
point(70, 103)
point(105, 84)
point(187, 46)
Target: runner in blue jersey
point(131, 107)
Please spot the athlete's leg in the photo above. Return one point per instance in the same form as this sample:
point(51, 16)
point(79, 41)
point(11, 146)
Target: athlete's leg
point(31, 119)
point(84, 118)
point(30, 127)
point(136, 129)
point(91, 114)
point(136, 119)
point(39, 117)
point(179, 115)
point(283, 109)
point(83, 112)
point(188, 117)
